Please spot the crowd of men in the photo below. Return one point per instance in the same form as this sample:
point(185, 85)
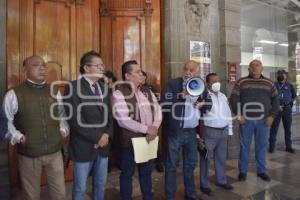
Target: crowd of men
point(37, 118)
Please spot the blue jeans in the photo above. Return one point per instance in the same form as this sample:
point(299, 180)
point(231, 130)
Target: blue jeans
point(260, 131)
point(286, 116)
point(81, 172)
point(185, 139)
point(127, 171)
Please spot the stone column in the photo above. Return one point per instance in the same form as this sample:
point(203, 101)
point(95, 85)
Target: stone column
point(293, 39)
point(213, 21)
point(2, 48)
point(230, 51)
point(4, 165)
point(187, 20)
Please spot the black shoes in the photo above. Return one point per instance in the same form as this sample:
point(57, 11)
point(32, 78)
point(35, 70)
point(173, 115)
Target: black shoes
point(205, 190)
point(242, 176)
point(264, 177)
point(192, 198)
point(290, 150)
point(225, 186)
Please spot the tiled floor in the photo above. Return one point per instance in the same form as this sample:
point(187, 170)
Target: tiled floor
point(284, 169)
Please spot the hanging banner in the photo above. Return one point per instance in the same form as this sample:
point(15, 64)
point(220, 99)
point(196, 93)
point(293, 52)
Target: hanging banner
point(200, 52)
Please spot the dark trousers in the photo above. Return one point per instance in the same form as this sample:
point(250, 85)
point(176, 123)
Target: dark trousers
point(159, 158)
point(286, 116)
point(127, 171)
point(187, 141)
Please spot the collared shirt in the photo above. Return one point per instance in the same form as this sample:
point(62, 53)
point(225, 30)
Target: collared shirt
point(220, 114)
point(121, 112)
point(191, 114)
point(10, 107)
point(91, 83)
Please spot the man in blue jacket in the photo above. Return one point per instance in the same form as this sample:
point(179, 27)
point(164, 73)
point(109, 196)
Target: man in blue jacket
point(182, 116)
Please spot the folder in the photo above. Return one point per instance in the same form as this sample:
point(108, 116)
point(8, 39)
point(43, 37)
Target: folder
point(144, 151)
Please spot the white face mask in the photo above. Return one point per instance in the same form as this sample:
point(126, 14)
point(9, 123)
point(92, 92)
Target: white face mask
point(216, 87)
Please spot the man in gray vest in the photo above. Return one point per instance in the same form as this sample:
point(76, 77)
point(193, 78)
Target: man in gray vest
point(33, 128)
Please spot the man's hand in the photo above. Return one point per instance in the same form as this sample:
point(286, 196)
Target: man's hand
point(241, 119)
point(64, 134)
point(183, 94)
point(199, 104)
point(103, 141)
point(150, 137)
point(152, 130)
point(269, 121)
point(23, 139)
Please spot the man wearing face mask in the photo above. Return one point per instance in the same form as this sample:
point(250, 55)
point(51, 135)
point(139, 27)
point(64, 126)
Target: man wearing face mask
point(217, 128)
point(287, 95)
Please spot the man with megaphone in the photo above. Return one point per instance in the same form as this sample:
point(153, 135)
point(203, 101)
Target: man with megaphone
point(182, 102)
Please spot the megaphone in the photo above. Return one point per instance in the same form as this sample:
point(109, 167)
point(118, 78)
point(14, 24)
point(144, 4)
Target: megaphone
point(195, 86)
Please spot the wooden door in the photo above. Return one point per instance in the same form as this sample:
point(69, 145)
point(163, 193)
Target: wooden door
point(61, 30)
point(130, 30)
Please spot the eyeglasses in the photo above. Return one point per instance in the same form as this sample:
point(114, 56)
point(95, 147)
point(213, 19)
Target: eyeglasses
point(96, 65)
point(137, 72)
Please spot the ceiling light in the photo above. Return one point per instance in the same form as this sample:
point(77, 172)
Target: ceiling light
point(284, 44)
point(267, 42)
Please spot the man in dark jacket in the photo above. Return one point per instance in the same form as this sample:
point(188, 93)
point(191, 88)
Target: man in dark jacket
point(3, 124)
point(181, 119)
point(87, 103)
point(287, 95)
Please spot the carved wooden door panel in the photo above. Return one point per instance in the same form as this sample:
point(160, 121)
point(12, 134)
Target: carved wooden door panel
point(131, 30)
point(57, 30)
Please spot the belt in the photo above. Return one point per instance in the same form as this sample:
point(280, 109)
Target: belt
point(286, 106)
point(218, 128)
point(187, 129)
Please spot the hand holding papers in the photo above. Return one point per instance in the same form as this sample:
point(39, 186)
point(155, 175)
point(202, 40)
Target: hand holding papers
point(144, 151)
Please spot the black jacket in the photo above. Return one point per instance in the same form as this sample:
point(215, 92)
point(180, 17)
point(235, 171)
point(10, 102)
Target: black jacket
point(3, 124)
point(82, 137)
point(171, 96)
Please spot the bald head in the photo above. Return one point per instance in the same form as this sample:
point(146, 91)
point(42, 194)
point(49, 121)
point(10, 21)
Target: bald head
point(190, 69)
point(35, 68)
point(32, 60)
point(255, 68)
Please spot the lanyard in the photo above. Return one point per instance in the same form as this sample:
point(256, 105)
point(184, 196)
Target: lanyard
point(280, 87)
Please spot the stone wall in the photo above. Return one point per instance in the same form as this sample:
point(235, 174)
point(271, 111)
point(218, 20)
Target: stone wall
point(4, 165)
point(187, 20)
point(213, 21)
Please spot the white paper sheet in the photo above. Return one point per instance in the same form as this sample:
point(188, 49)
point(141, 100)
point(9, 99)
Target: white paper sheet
point(144, 151)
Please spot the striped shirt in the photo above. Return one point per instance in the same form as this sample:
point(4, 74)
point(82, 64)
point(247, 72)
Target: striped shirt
point(257, 98)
